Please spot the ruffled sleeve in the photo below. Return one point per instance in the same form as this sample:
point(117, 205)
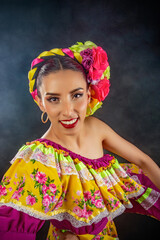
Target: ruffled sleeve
point(29, 192)
point(32, 184)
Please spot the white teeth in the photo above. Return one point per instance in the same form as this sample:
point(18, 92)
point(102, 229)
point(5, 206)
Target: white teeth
point(69, 122)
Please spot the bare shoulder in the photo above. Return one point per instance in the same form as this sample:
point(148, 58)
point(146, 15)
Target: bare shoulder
point(98, 126)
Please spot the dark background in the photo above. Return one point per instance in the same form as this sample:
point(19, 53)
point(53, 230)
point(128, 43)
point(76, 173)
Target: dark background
point(129, 31)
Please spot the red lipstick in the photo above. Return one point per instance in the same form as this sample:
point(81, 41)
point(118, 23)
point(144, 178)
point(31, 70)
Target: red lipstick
point(72, 125)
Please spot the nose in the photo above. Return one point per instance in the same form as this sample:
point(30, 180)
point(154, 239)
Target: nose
point(67, 110)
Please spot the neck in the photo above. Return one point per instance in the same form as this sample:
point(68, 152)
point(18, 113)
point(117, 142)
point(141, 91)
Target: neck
point(69, 141)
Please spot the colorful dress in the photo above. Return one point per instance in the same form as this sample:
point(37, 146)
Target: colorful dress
point(49, 182)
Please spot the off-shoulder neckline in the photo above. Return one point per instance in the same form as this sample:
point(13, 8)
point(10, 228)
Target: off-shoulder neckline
point(71, 153)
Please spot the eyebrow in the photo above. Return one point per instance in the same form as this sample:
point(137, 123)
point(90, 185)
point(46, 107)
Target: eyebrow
point(57, 94)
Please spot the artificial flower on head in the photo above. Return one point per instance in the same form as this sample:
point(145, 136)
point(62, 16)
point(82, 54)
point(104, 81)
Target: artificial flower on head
point(100, 63)
point(95, 63)
point(101, 89)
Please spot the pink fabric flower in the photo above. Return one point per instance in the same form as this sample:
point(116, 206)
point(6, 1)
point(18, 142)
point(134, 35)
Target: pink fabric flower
point(44, 189)
point(30, 200)
point(87, 195)
point(46, 200)
point(87, 56)
point(52, 188)
point(84, 213)
point(100, 63)
point(16, 195)
point(59, 204)
point(97, 193)
point(31, 175)
point(98, 237)
point(93, 199)
point(101, 90)
point(20, 190)
point(78, 211)
point(41, 177)
point(99, 204)
point(3, 191)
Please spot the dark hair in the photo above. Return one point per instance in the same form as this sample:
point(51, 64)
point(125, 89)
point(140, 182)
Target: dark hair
point(56, 64)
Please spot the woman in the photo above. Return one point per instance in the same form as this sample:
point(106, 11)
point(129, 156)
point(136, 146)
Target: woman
point(64, 176)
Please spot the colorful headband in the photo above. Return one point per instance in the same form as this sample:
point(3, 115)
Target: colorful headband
point(95, 62)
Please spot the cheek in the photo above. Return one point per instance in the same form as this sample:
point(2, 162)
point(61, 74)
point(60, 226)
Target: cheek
point(51, 111)
point(82, 105)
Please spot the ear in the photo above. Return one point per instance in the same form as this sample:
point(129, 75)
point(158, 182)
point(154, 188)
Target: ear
point(40, 103)
point(89, 94)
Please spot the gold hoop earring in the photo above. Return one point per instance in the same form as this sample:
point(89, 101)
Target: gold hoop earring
point(44, 121)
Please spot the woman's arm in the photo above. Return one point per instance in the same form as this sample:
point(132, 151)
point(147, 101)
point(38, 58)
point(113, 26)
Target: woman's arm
point(118, 145)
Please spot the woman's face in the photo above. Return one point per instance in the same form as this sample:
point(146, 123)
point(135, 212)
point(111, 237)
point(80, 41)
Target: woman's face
point(64, 97)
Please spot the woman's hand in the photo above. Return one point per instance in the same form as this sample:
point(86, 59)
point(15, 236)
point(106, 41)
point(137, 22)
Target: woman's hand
point(67, 235)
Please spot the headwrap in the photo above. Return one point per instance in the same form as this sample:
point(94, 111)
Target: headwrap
point(93, 59)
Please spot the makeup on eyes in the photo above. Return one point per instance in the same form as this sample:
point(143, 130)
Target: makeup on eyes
point(56, 95)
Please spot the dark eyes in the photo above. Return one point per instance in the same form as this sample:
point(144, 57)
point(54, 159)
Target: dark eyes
point(56, 99)
point(78, 95)
point(53, 99)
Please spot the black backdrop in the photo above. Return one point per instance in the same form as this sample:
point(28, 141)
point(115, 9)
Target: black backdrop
point(129, 31)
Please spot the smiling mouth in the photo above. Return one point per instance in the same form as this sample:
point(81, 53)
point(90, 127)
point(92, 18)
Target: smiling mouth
point(69, 123)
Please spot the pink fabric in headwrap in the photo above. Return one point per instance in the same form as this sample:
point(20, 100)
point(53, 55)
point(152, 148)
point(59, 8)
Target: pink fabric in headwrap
point(36, 61)
point(68, 52)
point(34, 93)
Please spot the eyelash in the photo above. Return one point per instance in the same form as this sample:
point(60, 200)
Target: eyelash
point(80, 95)
point(77, 95)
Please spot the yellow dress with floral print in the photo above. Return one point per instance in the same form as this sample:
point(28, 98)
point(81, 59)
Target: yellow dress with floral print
point(76, 194)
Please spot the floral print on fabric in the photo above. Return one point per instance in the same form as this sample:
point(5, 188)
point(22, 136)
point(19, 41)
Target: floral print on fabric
point(47, 189)
point(109, 232)
point(48, 181)
point(91, 199)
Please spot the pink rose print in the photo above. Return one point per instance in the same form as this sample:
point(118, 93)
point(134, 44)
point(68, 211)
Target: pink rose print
point(59, 204)
point(31, 175)
point(44, 189)
point(98, 203)
point(3, 191)
point(97, 193)
point(20, 190)
point(78, 211)
point(41, 177)
point(52, 187)
point(98, 237)
point(46, 200)
point(16, 195)
point(84, 213)
point(93, 199)
point(87, 195)
point(89, 212)
point(30, 200)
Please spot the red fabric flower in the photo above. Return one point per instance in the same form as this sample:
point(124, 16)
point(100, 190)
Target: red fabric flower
point(100, 63)
point(101, 90)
